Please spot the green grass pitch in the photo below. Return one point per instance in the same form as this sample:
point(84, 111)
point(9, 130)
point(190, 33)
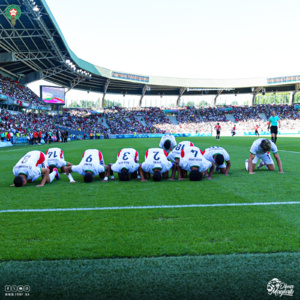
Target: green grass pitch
point(171, 253)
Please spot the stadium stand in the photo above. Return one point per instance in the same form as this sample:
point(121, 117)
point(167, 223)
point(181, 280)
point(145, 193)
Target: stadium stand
point(20, 93)
point(81, 123)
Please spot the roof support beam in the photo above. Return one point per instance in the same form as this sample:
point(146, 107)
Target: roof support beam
point(104, 92)
point(145, 88)
point(255, 92)
point(215, 99)
point(25, 56)
point(45, 30)
point(181, 92)
point(53, 71)
point(30, 77)
point(75, 82)
point(292, 94)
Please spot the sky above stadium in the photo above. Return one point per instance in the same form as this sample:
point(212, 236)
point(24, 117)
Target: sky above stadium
point(188, 39)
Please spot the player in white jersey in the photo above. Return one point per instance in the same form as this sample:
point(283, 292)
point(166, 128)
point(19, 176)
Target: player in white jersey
point(126, 164)
point(260, 149)
point(220, 157)
point(155, 163)
point(167, 142)
point(32, 166)
point(174, 156)
point(194, 162)
point(56, 159)
point(91, 165)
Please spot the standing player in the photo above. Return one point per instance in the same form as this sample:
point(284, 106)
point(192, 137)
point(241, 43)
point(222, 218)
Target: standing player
point(194, 162)
point(167, 142)
point(218, 131)
point(126, 164)
point(274, 123)
point(175, 154)
point(91, 165)
point(155, 163)
point(233, 131)
point(260, 149)
point(32, 166)
point(218, 156)
point(256, 130)
point(56, 160)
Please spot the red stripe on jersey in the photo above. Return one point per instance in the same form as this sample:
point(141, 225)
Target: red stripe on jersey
point(119, 152)
point(100, 156)
point(166, 154)
point(202, 152)
point(146, 154)
point(191, 144)
point(61, 154)
point(83, 154)
point(47, 151)
point(136, 156)
point(41, 159)
point(182, 153)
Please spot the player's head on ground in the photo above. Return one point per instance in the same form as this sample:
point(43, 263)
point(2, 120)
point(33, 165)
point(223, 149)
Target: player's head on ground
point(134, 175)
point(219, 159)
point(265, 145)
point(124, 175)
point(88, 177)
point(167, 144)
point(51, 167)
point(156, 175)
point(195, 174)
point(20, 181)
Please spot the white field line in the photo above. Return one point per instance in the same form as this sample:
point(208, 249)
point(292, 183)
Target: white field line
point(148, 207)
point(289, 151)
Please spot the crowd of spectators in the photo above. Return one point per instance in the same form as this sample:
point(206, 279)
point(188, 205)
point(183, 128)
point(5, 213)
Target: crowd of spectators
point(147, 120)
point(16, 91)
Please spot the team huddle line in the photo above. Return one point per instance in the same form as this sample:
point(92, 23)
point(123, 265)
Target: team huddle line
point(185, 159)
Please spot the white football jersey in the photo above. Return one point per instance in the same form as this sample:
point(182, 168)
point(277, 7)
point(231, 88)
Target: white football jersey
point(169, 137)
point(176, 152)
point(210, 152)
point(92, 160)
point(56, 157)
point(192, 157)
point(256, 149)
point(156, 158)
point(33, 159)
point(127, 158)
point(31, 164)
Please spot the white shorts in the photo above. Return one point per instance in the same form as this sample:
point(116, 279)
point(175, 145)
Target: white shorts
point(221, 167)
point(203, 165)
point(148, 167)
point(266, 158)
point(130, 166)
point(30, 172)
point(82, 168)
point(57, 162)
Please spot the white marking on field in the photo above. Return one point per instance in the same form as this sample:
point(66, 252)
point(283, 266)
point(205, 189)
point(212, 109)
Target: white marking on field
point(289, 151)
point(148, 207)
point(11, 150)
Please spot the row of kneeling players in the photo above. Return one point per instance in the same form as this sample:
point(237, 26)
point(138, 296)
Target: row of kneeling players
point(184, 158)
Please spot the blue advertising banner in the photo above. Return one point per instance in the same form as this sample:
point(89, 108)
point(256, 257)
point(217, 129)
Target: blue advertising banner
point(283, 79)
point(4, 97)
point(130, 77)
point(155, 135)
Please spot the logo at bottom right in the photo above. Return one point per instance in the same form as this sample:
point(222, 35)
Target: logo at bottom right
point(279, 288)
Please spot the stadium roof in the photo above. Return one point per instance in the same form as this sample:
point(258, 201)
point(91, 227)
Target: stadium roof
point(35, 48)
